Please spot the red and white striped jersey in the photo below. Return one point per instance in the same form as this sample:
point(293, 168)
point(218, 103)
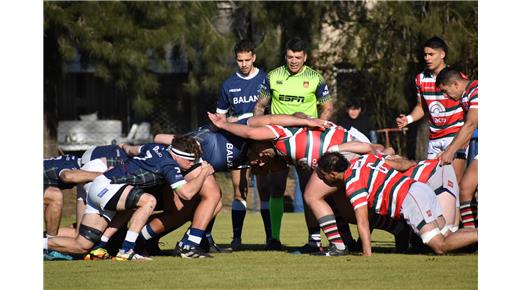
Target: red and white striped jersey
point(307, 145)
point(469, 99)
point(370, 181)
point(446, 114)
point(423, 170)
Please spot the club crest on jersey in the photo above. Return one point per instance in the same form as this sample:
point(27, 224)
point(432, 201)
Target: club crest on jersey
point(305, 84)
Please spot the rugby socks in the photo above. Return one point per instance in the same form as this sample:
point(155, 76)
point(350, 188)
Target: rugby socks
point(194, 237)
point(469, 214)
point(147, 232)
point(129, 242)
point(329, 227)
point(45, 243)
point(266, 217)
point(238, 214)
point(314, 237)
point(184, 237)
point(276, 213)
point(209, 228)
point(102, 243)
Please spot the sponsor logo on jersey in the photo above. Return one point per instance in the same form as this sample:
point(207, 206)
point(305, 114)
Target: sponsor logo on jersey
point(279, 82)
point(429, 213)
point(297, 99)
point(306, 84)
point(102, 192)
point(235, 90)
point(245, 99)
point(229, 154)
point(157, 151)
point(437, 112)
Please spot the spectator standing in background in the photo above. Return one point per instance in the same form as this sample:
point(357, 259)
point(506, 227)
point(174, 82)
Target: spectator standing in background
point(355, 117)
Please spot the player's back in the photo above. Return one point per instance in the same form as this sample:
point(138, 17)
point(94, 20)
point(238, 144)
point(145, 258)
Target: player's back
point(386, 187)
point(52, 167)
point(149, 168)
point(220, 149)
point(113, 153)
point(307, 145)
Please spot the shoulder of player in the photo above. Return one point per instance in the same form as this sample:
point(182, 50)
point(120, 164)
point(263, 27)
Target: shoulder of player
point(277, 71)
point(312, 72)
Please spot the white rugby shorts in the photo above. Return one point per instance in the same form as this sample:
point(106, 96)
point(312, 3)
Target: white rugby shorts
point(420, 206)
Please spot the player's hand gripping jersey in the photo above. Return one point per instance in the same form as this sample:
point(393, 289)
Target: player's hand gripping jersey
point(52, 167)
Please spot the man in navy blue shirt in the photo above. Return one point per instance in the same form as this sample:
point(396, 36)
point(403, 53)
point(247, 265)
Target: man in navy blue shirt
point(238, 97)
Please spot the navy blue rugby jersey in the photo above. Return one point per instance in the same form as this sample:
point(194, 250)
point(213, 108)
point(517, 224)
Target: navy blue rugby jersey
point(221, 149)
point(238, 95)
point(52, 167)
point(153, 166)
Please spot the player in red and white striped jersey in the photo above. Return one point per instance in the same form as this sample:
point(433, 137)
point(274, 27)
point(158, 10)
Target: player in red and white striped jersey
point(445, 115)
point(302, 146)
point(370, 183)
point(466, 92)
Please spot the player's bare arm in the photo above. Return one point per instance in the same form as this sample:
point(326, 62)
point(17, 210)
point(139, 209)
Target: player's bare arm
point(78, 176)
point(261, 104)
point(192, 188)
point(462, 138)
point(244, 131)
point(165, 139)
point(364, 229)
point(416, 114)
point(326, 110)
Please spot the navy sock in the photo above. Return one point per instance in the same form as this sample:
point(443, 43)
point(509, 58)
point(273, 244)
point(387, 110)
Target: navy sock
point(266, 217)
point(194, 237)
point(147, 232)
point(238, 214)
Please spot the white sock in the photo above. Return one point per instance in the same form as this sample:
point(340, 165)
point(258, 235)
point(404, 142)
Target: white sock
point(131, 236)
point(45, 243)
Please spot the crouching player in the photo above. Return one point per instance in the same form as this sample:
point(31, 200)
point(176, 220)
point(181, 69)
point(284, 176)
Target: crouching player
point(59, 173)
point(372, 184)
point(120, 189)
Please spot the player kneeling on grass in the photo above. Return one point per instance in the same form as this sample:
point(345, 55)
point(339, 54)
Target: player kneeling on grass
point(112, 192)
point(370, 183)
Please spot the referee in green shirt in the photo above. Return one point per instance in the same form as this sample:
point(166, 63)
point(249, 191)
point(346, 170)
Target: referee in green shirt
point(293, 87)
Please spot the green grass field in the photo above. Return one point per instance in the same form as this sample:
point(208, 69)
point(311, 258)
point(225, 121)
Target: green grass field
point(253, 268)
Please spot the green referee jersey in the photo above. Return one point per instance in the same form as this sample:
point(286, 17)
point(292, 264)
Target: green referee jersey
point(300, 92)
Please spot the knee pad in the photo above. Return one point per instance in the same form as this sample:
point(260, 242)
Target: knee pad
point(90, 233)
point(133, 197)
point(426, 237)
